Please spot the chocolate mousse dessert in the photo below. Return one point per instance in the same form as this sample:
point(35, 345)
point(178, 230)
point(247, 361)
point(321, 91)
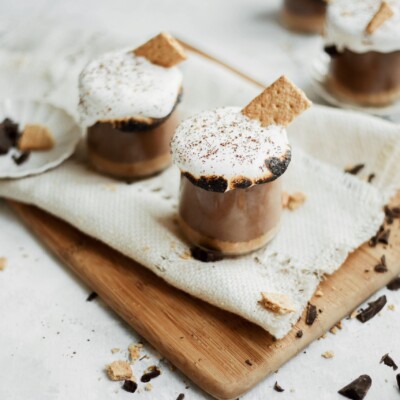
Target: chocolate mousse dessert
point(231, 160)
point(363, 42)
point(307, 16)
point(128, 102)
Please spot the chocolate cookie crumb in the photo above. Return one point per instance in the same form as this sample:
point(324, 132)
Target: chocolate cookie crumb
point(180, 397)
point(373, 309)
point(371, 177)
point(152, 373)
point(21, 158)
point(248, 362)
point(129, 386)
point(394, 284)
point(311, 314)
point(205, 256)
point(355, 169)
point(278, 388)
point(299, 334)
point(387, 360)
point(398, 380)
point(357, 389)
point(382, 266)
point(92, 296)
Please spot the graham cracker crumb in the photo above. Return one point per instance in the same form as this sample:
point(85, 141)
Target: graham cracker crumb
point(391, 307)
point(186, 255)
point(339, 325)
point(3, 263)
point(319, 293)
point(35, 137)
point(353, 314)
point(119, 371)
point(163, 50)
point(384, 13)
point(285, 199)
point(115, 350)
point(328, 354)
point(134, 350)
point(148, 387)
point(323, 336)
point(293, 201)
point(333, 330)
point(277, 303)
point(278, 104)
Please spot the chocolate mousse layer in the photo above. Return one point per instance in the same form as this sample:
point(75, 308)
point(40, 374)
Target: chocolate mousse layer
point(371, 78)
point(131, 149)
point(304, 15)
point(234, 222)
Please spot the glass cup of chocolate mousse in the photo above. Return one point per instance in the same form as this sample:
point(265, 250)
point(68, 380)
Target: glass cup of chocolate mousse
point(128, 105)
point(363, 42)
point(307, 16)
point(231, 161)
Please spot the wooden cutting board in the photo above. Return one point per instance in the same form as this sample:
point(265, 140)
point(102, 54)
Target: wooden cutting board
point(221, 352)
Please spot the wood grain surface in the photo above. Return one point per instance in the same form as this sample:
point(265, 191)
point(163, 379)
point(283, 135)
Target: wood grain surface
point(221, 352)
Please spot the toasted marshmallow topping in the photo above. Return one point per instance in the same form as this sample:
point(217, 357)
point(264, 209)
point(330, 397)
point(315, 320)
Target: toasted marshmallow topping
point(121, 85)
point(348, 19)
point(225, 143)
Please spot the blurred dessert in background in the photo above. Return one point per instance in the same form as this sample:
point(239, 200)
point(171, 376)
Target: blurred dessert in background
point(307, 16)
point(363, 42)
point(128, 103)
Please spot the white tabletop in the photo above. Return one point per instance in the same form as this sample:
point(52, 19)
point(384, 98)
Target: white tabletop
point(53, 343)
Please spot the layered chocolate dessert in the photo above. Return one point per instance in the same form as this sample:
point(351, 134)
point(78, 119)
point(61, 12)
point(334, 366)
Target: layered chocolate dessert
point(363, 42)
point(231, 161)
point(306, 16)
point(128, 102)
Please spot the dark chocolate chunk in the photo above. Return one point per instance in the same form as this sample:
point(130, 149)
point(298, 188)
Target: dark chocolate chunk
point(153, 373)
point(92, 296)
point(398, 380)
point(129, 386)
point(357, 389)
point(248, 362)
point(394, 284)
point(354, 170)
point(387, 360)
point(384, 237)
point(205, 256)
point(372, 309)
point(331, 50)
point(299, 334)
point(21, 158)
point(278, 388)
point(382, 266)
point(371, 177)
point(180, 397)
point(311, 314)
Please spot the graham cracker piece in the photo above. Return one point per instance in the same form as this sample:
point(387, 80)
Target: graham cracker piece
point(293, 201)
point(328, 354)
point(279, 104)
point(119, 371)
point(162, 50)
point(134, 350)
point(35, 137)
point(3, 263)
point(384, 13)
point(277, 303)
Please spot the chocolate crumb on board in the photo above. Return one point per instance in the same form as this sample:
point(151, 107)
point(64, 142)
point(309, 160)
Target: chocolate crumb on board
point(8, 135)
point(384, 237)
point(3, 263)
point(311, 314)
point(357, 389)
point(248, 362)
point(152, 372)
point(398, 380)
point(180, 397)
point(299, 334)
point(129, 386)
point(205, 256)
point(354, 170)
point(372, 309)
point(119, 371)
point(21, 158)
point(371, 177)
point(91, 296)
point(387, 360)
point(278, 388)
point(382, 266)
point(394, 284)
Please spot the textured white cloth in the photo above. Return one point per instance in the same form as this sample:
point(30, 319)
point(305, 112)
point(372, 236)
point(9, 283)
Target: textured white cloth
point(341, 211)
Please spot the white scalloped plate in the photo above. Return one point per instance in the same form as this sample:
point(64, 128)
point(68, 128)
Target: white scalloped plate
point(65, 130)
point(319, 73)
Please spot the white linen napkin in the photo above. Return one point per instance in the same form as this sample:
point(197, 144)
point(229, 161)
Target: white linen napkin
point(341, 211)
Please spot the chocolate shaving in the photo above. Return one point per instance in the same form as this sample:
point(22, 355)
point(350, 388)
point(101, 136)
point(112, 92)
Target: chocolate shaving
point(373, 309)
point(382, 266)
point(311, 314)
point(180, 397)
point(299, 334)
point(153, 373)
point(357, 389)
point(92, 296)
point(205, 256)
point(384, 237)
point(21, 158)
point(278, 388)
point(129, 386)
point(387, 360)
point(248, 362)
point(394, 284)
point(354, 170)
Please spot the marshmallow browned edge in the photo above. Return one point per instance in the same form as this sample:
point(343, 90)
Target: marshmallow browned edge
point(384, 13)
point(279, 104)
point(163, 50)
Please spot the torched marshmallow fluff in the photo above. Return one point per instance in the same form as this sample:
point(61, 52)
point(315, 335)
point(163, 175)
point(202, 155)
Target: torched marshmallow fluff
point(121, 85)
point(347, 20)
point(225, 144)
